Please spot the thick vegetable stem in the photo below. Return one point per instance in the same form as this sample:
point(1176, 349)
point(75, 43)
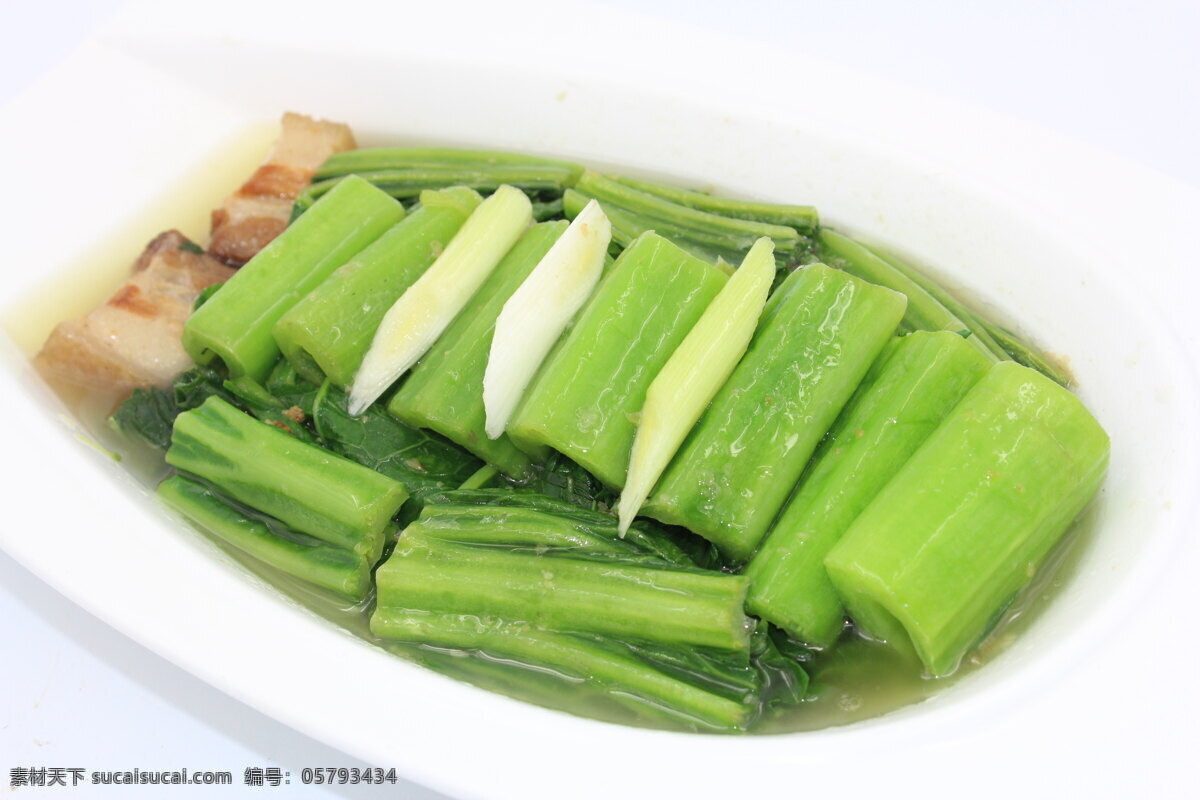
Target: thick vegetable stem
point(940, 552)
point(405, 184)
point(235, 325)
point(336, 568)
point(307, 487)
point(426, 309)
point(802, 218)
point(371, 159)
point(817, 338)
point(444, 393)
point(905, 396)
point(601, 664)
point(522, 526)
point(681, 216)
point(557, 590)
point(539, 310)
point(696, 370)
point(328, 332)
point(644, 537)
point(585, 399)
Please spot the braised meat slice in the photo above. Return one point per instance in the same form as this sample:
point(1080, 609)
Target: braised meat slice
point(134, 338)
point(259, 211)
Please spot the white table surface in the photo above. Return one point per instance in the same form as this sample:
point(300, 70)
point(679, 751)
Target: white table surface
point(1121, 75)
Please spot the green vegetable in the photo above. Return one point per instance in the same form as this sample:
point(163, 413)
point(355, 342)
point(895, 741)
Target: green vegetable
point(286, 385)
point(904, 397)
point(924, 312)
point(976, 324)
point(999, 340)
point(535, 315)
point(557, 589)
point(371, 159)
point(601, 663)
point(193, 387)
point(561, 478)
point(429, 305)
point(1027, 355)
point(308, 488)
point(682, 217)
point(714, 247)
point(684, 387)
point(584, 400)
point(802, 218)
point(147, 416)
point(817, 338)
point(939, 553)
point(544, 210)
point(235, 325)
point(445, 391)
point(556, 517)
point(251, 397)
point(304, 557)
point(406, 183)
point(420, 461)
point(328, 332)
point(522, 527)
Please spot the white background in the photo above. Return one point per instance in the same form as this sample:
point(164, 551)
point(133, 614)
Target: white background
point(1120, 75)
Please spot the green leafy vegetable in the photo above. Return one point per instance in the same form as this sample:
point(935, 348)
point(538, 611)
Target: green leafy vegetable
point(147, 416)
point(420, 460)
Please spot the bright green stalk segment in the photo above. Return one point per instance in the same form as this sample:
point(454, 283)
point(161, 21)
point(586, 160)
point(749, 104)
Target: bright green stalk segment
point(905, 396)
point(817, 338)
point(802, 218)
point(301, 556)
point(235, 324)
point(445, 391)
point(416, 320)
point(653, 207)
point(594, 593)
point(307, 487)
point(940, 552)
point(584, 401)
point(516, 526)
point(645, 538)
point(597, 662)
point(371, 159)
point(627, 227)
point(328, 332)
point(480, 478)
point(702, 362)
point(404, 184)
point(924, 312)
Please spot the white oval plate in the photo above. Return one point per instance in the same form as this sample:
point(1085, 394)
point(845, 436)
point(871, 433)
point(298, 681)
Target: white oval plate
point(1085, 251)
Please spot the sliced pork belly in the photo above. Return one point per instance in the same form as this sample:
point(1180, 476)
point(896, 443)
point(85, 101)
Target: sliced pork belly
point(261, 208)
point(134, 338)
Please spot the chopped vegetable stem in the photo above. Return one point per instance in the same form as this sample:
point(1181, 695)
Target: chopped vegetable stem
point(328, 332)
point(904, 397)
point(235, 325)
point(819, 334)
point(307, 487)
point(426, 309)
point(943, 548)
point(693, 374)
